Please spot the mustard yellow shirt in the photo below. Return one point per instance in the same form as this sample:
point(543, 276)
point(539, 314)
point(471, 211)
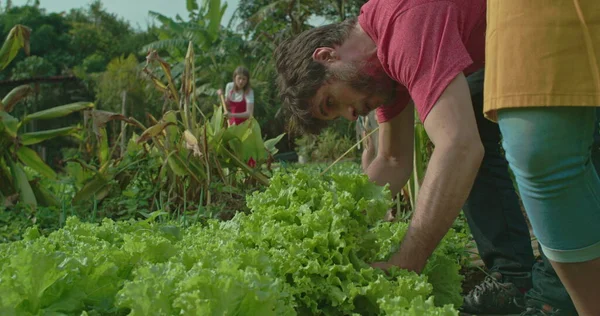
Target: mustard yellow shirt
point(541, 53)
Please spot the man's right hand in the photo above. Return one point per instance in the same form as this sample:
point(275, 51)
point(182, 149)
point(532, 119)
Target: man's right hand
point(390, 171)
point(219, 92)
point(394, 160)
point(368, 152)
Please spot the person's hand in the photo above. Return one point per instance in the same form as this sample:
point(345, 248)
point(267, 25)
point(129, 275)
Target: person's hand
point(366, 141)
point(219, 92)
point(383, 265)
point(394, 261)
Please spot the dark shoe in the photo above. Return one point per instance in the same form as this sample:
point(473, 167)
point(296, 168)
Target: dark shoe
point(546, 310)
point(494, 297)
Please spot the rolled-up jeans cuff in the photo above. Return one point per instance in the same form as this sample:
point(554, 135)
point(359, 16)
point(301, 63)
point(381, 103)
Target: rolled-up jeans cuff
point(572, 256)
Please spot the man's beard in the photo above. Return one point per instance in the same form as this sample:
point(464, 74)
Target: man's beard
point(366, 77)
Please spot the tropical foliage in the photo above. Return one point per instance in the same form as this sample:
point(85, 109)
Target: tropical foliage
point(15, 155)
point(124, 191)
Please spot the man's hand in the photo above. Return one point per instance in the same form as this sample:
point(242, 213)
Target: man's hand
point(394, 261)
point(368, 152)
point(450, 175)
point(383, 265)
point(394, 160)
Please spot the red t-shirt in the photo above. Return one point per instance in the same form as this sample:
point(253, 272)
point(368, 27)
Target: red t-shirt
point(423, 45)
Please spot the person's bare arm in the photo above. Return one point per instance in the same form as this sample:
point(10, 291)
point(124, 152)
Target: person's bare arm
point(368, 154)
point(369, 151)
point(394, 160)
point(450, 175)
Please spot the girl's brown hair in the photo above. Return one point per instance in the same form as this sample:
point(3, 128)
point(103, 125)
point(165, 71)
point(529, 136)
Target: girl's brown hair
point(242, 71)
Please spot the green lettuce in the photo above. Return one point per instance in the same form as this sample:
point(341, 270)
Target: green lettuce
point(304, 249)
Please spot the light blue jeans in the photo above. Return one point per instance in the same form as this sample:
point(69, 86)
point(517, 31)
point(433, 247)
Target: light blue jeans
point(549, 150)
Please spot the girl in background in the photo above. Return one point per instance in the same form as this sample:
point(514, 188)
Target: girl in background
point(239, 97)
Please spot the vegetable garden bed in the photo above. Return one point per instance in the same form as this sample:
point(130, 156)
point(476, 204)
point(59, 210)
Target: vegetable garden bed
point(303, 250)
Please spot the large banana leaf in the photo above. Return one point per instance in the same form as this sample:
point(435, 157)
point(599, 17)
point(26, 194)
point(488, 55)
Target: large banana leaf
point(17, 38)
point(132, 145)
point(93, 188)
point(100, 118)
point(191, 5)
point(153, 131)
point(214, 17)
point(6, 185)
point(80, 171)
point(181, 166)
point(22, 185)
point(246, 140)
point(58, 111)
point(38, 137)
point(176, 164)
point(103, 150)
point(172, 130)
point(15, 95)
point(216, 127)
point(8, 124)
point(31, 159)
point(153, 57)
point(165, 44)
point(270, 144)
point(168, 22)
point(44, 197)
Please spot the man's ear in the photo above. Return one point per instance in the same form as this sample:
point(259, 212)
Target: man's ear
point(324, 55)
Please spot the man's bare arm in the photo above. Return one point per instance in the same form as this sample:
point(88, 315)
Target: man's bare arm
point(450, 174)
point(368, 155)
point(394, 160)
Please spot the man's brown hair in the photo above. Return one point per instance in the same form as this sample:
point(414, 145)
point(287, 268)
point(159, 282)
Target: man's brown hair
point(300, 76)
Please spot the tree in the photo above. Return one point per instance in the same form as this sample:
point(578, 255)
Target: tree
point(78, 43)
point(122, 89)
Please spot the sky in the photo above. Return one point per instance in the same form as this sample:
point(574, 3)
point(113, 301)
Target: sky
point(135, 12)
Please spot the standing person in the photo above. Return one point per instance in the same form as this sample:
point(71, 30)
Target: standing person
point(239, 97)
point(516, 283)
point(396, 51)
point(542, 86)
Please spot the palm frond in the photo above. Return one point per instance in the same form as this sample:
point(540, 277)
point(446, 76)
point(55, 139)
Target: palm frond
point(167, 44)
point(166, 21)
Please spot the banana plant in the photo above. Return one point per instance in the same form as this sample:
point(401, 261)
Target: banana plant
point(194, 152)
point(194, 146)
point(15, 155)
point(100, 182)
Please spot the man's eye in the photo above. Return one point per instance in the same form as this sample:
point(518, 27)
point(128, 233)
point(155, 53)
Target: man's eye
point(325, 108)
point(329, 103)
